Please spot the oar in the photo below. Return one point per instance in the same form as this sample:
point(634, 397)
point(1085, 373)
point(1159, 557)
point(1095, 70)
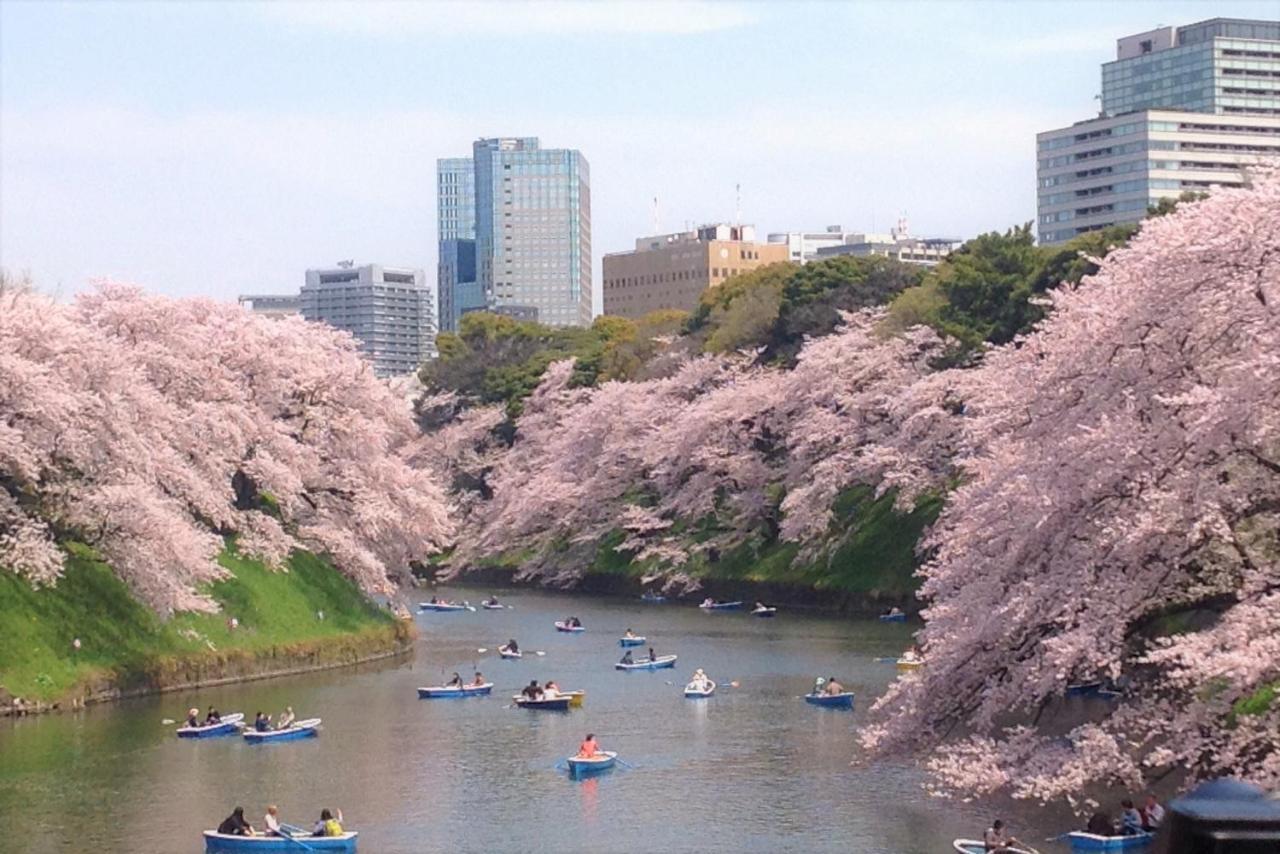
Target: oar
point(562, 765)
point(1059, 837)
point(287, 832)
point(886, 660)
point(624, 763)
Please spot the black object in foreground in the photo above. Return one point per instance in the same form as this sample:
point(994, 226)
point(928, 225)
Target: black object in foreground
point(1221, 817)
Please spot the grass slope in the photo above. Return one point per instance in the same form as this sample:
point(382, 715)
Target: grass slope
point(119, 636)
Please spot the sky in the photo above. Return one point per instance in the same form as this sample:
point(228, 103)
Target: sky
point(215, 149)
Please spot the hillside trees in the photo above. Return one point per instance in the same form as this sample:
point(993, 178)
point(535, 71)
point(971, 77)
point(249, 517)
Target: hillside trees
point(152, 427)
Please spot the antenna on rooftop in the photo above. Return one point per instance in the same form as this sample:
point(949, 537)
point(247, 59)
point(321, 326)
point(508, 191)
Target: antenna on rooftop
point(737, 208)
point(657, 220)
point(347, 265)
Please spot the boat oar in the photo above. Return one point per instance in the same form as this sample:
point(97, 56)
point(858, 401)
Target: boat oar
point(287, 831)
point(560, 766)
point(886, 660)
point(1059, 837)
point(624, 763)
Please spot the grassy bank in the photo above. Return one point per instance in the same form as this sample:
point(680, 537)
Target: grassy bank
point(123, 643)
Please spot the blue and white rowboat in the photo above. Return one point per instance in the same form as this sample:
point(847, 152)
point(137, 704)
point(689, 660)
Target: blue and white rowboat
point(640, 641)
point(309, 728)
point(695, 692)
point(831, 701)
point(893, 618)
point(218, 842)
point(453, 691)
point(580, 766)
point(229, 725)
point(720, 606)
point(492, 606)
point(765, 612)
point(1081, 841)
point(508, 653)
point(976, 846)
point(645, 664)
point(440, 606)
point(562, 626)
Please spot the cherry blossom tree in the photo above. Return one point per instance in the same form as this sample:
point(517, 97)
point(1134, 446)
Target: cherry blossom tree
point(155, 427)
point(1121, 479)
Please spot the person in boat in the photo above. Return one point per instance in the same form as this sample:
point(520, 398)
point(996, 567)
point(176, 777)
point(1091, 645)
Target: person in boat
point(590, 748)
point(435, 600)
point(550, 691)
point(1130, 818)
point(212, 717)
point(629, 634)
point(626, 658)
point(575, 622)
point(328, 825)
point(652, 655)
point(699, 681)
point(512, 646)
point(271, 822)
point(235, 824)
point(912, 655)
point(1152, 814)
point(193, 717)
point(996, 838)
point(895, 611)
point(819, 685)
point(532, 691)
point(760, 606)
point(834, 687)
point(493, 600)
point(286, 718)
point(1100, 824)
point(478, 680)
point(708, 602)
point(455, 682)
point(261, 722)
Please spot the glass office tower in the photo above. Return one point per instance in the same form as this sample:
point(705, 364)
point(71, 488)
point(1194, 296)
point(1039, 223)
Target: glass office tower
point(456, 283)
point(533, 230)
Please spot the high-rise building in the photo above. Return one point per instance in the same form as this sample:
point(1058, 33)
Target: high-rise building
point(390, 311)
point(1223, 65)
point(672, 270)
point(1184, 109)
point(456, 286)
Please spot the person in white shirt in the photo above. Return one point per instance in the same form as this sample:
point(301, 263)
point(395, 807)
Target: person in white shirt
point(1152, 814)
point(271, 821)
point(550, 691)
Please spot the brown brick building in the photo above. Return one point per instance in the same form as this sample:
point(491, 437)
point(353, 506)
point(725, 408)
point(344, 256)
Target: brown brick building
point(672, 270)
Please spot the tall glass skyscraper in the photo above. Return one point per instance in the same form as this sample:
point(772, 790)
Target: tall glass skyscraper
point(456, 212)
point(531, 230)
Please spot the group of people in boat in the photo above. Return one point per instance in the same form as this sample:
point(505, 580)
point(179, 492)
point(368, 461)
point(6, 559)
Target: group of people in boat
point(456, 681)
point(895, 611)
point(700, 681)
point(571, 623)
point(236, 824)
point(212, 718)
point(262, 722)
point(627, 659)
point(534, 691)
point(1132, 820)
point(828, 686)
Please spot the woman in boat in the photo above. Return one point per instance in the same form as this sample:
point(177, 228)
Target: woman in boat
point(834, 687)
point(235, 825)
point(455, 682)
point(590, 748)
point(532, 691)
point(193, 717)
point(512, 646)
point(286, 718)
point(699, 681)
point(213, 717)
point(271, 822)
point(818, 685)
point(478, 681)
point(629, 634)
point(328, 825)
point(708, 602)
point(1130, 818)
point(550, 691)
point(626, 658)
point(261, 722)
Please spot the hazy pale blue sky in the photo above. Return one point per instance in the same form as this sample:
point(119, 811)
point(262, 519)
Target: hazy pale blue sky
point(219, 148)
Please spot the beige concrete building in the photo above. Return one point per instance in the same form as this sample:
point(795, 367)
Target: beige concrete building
point(672, 270)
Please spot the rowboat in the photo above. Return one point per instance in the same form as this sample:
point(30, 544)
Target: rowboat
point(581, 766)
point(720, 606)
point(645, 664)
point(309, 728)
point(1081, 841)
point(228, 725)
point(909, 663)
point(893, 618)
point(440, 606)
point(652, 597)
point(214, 841)
point(843, 700)
point(631, 641)
point(556, 704)
point(764, 612)
point(453, 691)
point(976, 846)
point(506, 653)
point(562, 626)
point(695, 692)
point(492, 606)
point(576, 698)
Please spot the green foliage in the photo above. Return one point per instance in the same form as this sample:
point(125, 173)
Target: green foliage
point(119, 635)
point(1259, 702)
